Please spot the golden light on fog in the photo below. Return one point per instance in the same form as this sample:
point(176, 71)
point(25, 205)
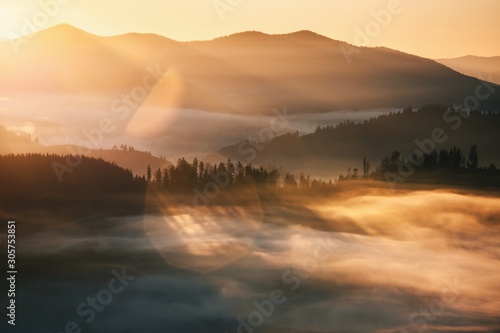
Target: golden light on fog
point(420, 241)
point(202, 239)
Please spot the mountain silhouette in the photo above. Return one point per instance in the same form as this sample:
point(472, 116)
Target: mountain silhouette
point(331, 148)
point(126, 157)
point(484, 68)
point(249, 72)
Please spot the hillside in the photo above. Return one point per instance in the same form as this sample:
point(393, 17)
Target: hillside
point(134, 160)
point(330, 149)
point(249, 73)
point(96, 186)
point(486, 68)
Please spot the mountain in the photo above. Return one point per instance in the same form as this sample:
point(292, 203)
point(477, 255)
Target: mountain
point(11, 143)
point(134, 160)
point(332, 149)
point(96, 187)
point(64, 60)
point(485, 68)
point(249, 72)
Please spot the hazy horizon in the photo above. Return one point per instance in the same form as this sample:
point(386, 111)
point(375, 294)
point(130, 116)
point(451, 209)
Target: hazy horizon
point(10, 38)
point(476, 34)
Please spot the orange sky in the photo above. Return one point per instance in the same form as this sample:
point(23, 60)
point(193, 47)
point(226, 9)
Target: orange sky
point(429, 28)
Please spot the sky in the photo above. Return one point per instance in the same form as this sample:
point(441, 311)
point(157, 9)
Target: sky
point(429, 28)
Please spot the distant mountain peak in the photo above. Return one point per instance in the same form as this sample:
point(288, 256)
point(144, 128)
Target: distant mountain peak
point(65, 30)
point(306, 34)
point(244, 36)
point(257, 37)
point(247, 72)
point(65, 27)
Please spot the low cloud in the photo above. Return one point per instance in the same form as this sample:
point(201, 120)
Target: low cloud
point(391, 256)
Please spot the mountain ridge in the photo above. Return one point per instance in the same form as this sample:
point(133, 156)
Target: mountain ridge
point(346, 144)
point(248, 73)
point(484, 68)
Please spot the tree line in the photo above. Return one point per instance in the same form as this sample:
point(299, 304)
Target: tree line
point(185, 176)
point(453, 158)
point(436, 165)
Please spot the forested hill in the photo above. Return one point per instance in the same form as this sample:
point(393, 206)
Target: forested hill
point(125, 156)
point(338, 147)
point(66, 183)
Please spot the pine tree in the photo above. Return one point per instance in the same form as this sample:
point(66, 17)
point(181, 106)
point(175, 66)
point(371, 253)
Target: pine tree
point(366, 167)
point(158, 178)
point(166, 179)
point(355, 173)
point(148, 174)
point(473, 162)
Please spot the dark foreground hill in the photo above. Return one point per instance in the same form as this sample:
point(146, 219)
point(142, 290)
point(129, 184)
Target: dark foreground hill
point(69, 185)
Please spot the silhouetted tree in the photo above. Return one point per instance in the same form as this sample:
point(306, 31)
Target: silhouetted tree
point(390, 164)
point(158, 178)
point(166, 179)
point(473, 161)
point(148, 173)
point(444, 158)
point(289, 182)
point(456, 158)
point(431, 160)
point(240, 173)
point(355, 173)
point(366, 167)
point(201, 172)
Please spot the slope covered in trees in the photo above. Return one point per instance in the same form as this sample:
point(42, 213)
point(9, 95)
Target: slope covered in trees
point(125, 156)
point(10, 142)
point(453, 167)
point(98, 187)
point(31, 182)
point(334, 148)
